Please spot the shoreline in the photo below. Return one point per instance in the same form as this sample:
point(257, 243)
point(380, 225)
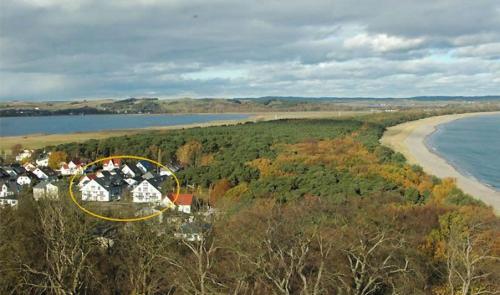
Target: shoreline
point(34, 141)
point(410, 139)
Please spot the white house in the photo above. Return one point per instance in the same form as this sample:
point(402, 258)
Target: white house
point(8, 188)
point(98, 190)
point(29, 166)
point(45, 189)
point(130, 181)
point(145, 166)
point(86, 178)
point(40, 174)
point(23, 179)
point(164, 171)
point(71, 168)
point(131, 171)
point(147, 191)
point(25, 154)
point(183, 202)
point(8, 193)
point(111, 164)
point(43, 161)
point(8, 201)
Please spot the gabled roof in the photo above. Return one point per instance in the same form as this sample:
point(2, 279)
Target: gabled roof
point(11, 185)
point(48, 171)
point(174, 166)
point(77, 162)
point(27, 173)
point(147, 165)
point(102, 182)
point(89, 176)
point(148, 175)
point(18, 169)
point(134, 169)
point(105, 173)
point(182, 199)
point(4, 174)
point(116, 162)
point(91, 168)
point(155, 182)
point(42, 184)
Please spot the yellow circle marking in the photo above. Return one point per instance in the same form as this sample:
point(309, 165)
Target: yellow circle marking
point(73, 198)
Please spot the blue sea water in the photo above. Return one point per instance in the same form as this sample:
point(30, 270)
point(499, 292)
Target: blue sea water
point(12, 126)
point(472, 145)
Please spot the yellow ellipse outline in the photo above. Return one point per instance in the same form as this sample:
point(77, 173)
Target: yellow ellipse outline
point(73, 198)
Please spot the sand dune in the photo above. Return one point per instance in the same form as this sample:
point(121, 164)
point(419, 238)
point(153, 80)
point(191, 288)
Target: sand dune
point(408, 139)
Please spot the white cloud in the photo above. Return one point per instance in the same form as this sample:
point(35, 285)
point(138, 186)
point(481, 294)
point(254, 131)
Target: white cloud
point(381, 42)
point(489, 50)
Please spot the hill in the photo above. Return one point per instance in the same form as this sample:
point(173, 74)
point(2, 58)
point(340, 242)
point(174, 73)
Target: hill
point(242, 105)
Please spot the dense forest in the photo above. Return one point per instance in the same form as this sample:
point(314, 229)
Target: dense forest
point(304, 207)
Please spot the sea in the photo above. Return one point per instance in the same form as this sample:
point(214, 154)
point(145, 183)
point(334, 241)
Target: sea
point(14, 126)
point(472, 146)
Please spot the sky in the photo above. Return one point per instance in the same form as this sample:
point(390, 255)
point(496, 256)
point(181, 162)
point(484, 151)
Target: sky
point(86, 49)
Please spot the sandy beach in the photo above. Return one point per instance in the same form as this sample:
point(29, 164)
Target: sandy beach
point(409, 139)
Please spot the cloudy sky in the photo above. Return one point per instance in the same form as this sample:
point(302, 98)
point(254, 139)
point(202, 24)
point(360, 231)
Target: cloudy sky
point(51, 49)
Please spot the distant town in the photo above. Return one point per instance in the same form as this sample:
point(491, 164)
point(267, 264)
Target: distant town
point(146, 187)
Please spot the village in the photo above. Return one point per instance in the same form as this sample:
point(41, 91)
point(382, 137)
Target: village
point(144, 187)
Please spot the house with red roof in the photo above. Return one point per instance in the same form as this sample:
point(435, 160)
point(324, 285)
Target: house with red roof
point(111, 164)
point(183, 202)
point(86, 178)
point(71, 168)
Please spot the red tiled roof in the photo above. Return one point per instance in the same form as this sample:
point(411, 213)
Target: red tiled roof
point(182, 199)
point(91, 176)
point(116, 161)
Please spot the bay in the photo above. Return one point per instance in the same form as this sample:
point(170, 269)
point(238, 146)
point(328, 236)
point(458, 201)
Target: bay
point(472, 146)
point(14, 126)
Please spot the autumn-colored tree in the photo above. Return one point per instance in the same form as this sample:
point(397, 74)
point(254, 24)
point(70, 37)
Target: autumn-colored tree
point(56, 158)
point(441, 191)
point(189, 153)
point(265, 166)
point(219, 189)
point(206, 160)
point(237, 191)
point(16, 149)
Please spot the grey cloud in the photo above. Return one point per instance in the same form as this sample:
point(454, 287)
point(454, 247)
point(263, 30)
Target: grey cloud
point(90, 48)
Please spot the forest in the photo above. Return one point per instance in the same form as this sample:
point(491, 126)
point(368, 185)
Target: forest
point(305, 206)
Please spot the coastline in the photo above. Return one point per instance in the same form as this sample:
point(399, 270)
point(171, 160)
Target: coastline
point(33, 141)
point(410, 139)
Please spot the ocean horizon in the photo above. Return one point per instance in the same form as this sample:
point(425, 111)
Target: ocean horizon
point(472, 146)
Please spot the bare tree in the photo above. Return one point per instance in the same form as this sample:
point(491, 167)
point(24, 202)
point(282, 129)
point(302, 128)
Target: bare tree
point(311, 284)
point(467, 251)
point(372, 264)
point(285, 259)
point(197, 265)
point(67, 249)
point(147, 247)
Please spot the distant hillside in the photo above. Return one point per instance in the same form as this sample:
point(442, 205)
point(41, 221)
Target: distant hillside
point(235, 105)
